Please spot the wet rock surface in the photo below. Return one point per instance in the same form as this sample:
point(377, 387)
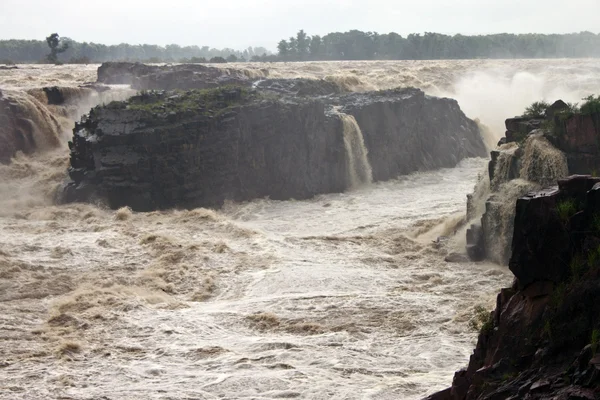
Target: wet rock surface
point(199, 148)
point(169, 77)
point(541, 342)
point(535, 152)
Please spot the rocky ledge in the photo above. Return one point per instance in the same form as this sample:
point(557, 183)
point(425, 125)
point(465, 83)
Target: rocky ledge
point(169, 77)
point(282, 139)
point(535, 152)
point(543, 339)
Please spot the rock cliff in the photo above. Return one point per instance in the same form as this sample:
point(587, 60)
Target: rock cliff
point(543, 339)
point(535, 152)
point(282, 139)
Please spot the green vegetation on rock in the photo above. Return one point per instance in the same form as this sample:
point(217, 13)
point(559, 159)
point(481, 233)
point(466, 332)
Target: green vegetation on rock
point(205, 101)
point(566, 209)
point(482, 320)
point(537, 109)
point(591, 105)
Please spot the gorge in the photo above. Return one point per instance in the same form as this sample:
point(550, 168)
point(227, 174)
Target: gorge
point(340, 290)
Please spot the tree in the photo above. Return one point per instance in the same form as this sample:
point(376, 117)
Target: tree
point(56, 47)
point(315, 46)
point(302, 43)
point(293, 47)
point(283, 48)
point(232, 58)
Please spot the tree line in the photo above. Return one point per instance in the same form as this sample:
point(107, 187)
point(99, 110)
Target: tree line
point(358, 45)
point(352, 45)
point(36, 51)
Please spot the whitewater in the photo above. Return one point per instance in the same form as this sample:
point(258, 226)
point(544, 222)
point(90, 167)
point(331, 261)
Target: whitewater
point(343, 296)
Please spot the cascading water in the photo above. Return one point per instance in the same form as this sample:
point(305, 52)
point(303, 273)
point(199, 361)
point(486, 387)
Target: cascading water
point(543, 163)
point(329, 297)
point(517, 172)
point(359, 169)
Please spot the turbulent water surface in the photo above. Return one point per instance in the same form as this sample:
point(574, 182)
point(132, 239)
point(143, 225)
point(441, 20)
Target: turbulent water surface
point(343, 296)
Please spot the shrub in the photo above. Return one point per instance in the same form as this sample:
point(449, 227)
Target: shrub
point(218, 60)
point(595, 341)
point(198, 60)
point(566, 209)
point(537, 109)
point(80, 60)
point(482, 320)
point(591, 105)
point(577, 267)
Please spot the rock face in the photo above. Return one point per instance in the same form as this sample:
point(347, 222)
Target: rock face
point(541, 341)
point(199, 148)
point(535, 153)
point(406, 131)
point(579, 137)
point(169, 77)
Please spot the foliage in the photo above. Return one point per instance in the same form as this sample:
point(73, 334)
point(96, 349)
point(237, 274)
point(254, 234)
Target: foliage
point(358, 45)
point(351, 45)
point(591, 105)
point(32, 51)
point(206, 101)
point(7, 62)
point(558, 295)
point(577, 267)
point(198, 60)
point(566, 209)
point(537, 109)
point(572, 108)
point(596, 223)
point(80, 60)
point(56, 47)
point(595, 340)
point(482, 320)
point(593, 258)
point(217, 60)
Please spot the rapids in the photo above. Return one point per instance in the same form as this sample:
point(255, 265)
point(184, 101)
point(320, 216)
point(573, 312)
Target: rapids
point(342, 296)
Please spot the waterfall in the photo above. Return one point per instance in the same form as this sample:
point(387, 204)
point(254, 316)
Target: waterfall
point(498, 219)
point(505, 166)
point(359, 169)
point(541, 164)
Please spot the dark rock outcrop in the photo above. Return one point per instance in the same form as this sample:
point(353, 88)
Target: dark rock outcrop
point(198, 148)
point(542, 339)
point(579, 137)
point(406, 131)
point(534, 153)
point(169, 77)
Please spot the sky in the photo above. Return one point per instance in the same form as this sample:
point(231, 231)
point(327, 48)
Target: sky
point(238, 24)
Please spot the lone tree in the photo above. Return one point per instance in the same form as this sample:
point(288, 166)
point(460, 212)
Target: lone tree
point(56, 47)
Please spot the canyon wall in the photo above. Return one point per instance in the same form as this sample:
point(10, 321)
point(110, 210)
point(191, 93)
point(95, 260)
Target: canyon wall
point(201, 147)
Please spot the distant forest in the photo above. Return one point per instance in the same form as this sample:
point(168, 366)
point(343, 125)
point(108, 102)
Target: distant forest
point(36, 51)
point(352, 45)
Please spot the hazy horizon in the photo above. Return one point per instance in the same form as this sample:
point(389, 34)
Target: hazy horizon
point(240, 24)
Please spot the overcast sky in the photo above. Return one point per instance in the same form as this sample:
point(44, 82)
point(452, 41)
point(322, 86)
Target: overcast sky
point(242, 23)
